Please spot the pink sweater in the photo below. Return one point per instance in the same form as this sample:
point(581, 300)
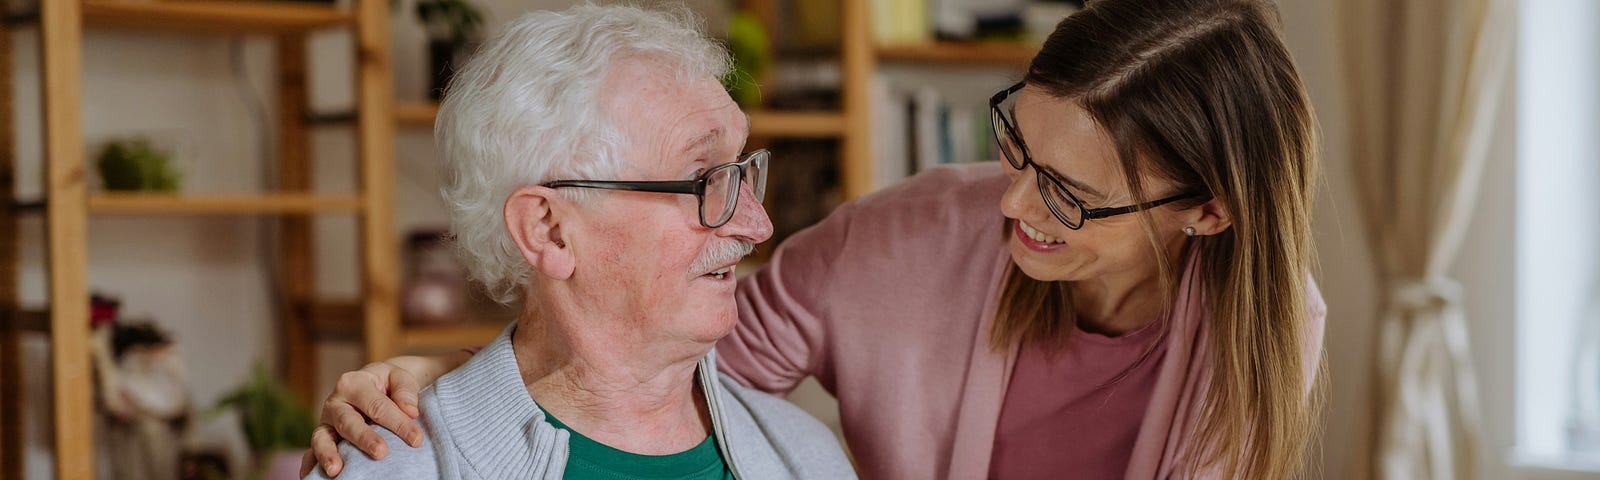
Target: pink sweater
point(889, 302)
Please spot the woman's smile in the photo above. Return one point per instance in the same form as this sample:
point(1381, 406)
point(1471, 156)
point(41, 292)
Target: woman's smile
point(1034, 239)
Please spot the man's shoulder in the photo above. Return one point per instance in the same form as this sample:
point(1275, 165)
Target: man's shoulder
point(403, 461)
point(807, 447)
point(772, 410)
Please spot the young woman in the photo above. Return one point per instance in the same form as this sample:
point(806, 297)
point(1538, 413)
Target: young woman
point(1127, 294)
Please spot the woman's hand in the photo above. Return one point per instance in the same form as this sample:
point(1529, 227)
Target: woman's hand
point(384, 393)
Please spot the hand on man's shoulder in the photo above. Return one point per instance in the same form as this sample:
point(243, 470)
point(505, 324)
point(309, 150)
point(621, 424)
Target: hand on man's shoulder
point(403, 461)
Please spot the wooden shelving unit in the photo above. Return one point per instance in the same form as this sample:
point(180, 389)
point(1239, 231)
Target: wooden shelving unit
point(12, 317)
point(69, 203)
point(272, 203)
point(416, 114)
point(1004, 54)
point(449, 337)
point(860, 58)
point(343, 321)
point(214, 16)
point(766, 123)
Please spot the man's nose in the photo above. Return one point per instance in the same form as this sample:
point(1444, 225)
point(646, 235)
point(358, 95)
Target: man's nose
point(749, 222)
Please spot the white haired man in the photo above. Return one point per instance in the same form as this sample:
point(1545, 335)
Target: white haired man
point(594, 173)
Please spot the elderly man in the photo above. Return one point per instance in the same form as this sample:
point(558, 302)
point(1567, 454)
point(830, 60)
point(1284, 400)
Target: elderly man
point(594, 170)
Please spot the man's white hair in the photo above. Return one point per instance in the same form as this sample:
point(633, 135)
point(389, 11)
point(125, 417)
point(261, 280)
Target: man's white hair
point(526, 109)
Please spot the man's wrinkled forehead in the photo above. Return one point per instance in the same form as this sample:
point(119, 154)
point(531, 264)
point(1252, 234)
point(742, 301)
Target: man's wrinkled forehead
point(715, 137)
point(668, 114)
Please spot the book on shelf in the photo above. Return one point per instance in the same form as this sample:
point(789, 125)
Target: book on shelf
point(918, 128)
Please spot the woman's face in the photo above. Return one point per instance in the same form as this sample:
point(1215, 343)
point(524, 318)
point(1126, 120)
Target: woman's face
point(1063, 138)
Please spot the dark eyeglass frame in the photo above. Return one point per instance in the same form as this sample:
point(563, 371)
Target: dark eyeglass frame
point(1002, 122)
point(696, 187)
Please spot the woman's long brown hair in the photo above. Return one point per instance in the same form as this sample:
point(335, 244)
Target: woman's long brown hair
point(1203, 93)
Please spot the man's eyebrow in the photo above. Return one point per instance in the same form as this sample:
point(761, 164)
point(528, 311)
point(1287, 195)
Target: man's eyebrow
point(702, 140)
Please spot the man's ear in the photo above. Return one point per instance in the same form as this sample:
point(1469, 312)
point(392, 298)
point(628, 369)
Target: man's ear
point(533, 216)
point(1213, 219)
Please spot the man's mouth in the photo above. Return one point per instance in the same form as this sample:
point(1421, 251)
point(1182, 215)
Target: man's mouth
point(721, 273)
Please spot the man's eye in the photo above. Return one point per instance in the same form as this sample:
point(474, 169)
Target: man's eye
point(697, 173)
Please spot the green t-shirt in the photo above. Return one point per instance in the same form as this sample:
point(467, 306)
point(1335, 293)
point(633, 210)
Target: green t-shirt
point(591, 460)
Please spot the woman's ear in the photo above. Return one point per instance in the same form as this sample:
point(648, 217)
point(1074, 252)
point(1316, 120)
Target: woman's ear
point(533, 216)
point(1213, 218)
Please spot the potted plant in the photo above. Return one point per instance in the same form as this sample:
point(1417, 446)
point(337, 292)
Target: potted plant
point(276, 423)
point(747, 39)
point(137, 165)
point(453, 26)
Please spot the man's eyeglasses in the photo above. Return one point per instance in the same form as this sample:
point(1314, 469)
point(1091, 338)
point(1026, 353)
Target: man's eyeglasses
point(1066, 206)
point(717, 188)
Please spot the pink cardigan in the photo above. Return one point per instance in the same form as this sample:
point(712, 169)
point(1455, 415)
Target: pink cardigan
point(889, 301)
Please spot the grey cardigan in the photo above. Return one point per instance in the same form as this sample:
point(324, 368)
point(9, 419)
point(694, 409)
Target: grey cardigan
point(482, 424)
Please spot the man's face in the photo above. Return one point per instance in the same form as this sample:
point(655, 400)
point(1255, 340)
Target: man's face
point(644, 257)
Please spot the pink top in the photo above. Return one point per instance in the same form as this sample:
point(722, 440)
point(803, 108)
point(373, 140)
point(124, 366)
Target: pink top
point(889, 301)
point(1076, 408)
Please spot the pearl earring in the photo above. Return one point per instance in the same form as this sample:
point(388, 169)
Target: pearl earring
point(1189, 231)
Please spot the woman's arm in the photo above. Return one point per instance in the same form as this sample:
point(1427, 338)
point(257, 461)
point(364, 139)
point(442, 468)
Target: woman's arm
point(784, 310)
point(384, 393)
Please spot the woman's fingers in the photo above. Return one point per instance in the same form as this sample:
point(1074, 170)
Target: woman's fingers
point(324, 451)
point(404, 389)
point(352, 426)
point(307, 462)
point(384, 411)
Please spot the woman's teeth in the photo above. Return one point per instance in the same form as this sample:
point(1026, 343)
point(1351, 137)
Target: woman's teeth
point(1036, 235)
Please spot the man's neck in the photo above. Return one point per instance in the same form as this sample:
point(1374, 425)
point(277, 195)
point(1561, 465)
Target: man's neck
point(609, 387)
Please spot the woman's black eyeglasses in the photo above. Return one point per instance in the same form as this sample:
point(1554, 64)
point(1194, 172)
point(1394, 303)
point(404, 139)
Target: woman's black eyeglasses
point(717, 189)
point(1062, 202)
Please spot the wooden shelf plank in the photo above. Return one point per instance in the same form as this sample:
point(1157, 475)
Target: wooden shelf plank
point(214, 16)
point(28, 207)
point(767, 123)
point(1004, 54)
point(416, 114)
point(335, 320)
point(146, 203)
point(342, 320)
point(471, 334)
point(22, 19)
point(31, 320)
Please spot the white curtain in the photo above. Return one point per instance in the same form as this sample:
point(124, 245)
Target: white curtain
point(1425, 78)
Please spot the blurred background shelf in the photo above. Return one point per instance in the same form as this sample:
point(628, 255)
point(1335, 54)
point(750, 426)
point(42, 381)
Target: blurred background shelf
point(448, 337)
point(416, 114)
point(270, 203)
point(66, 122)
point(219, 17)
point(342, 321)
point(769, 123)
point(27, 320)
point(998, 53)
